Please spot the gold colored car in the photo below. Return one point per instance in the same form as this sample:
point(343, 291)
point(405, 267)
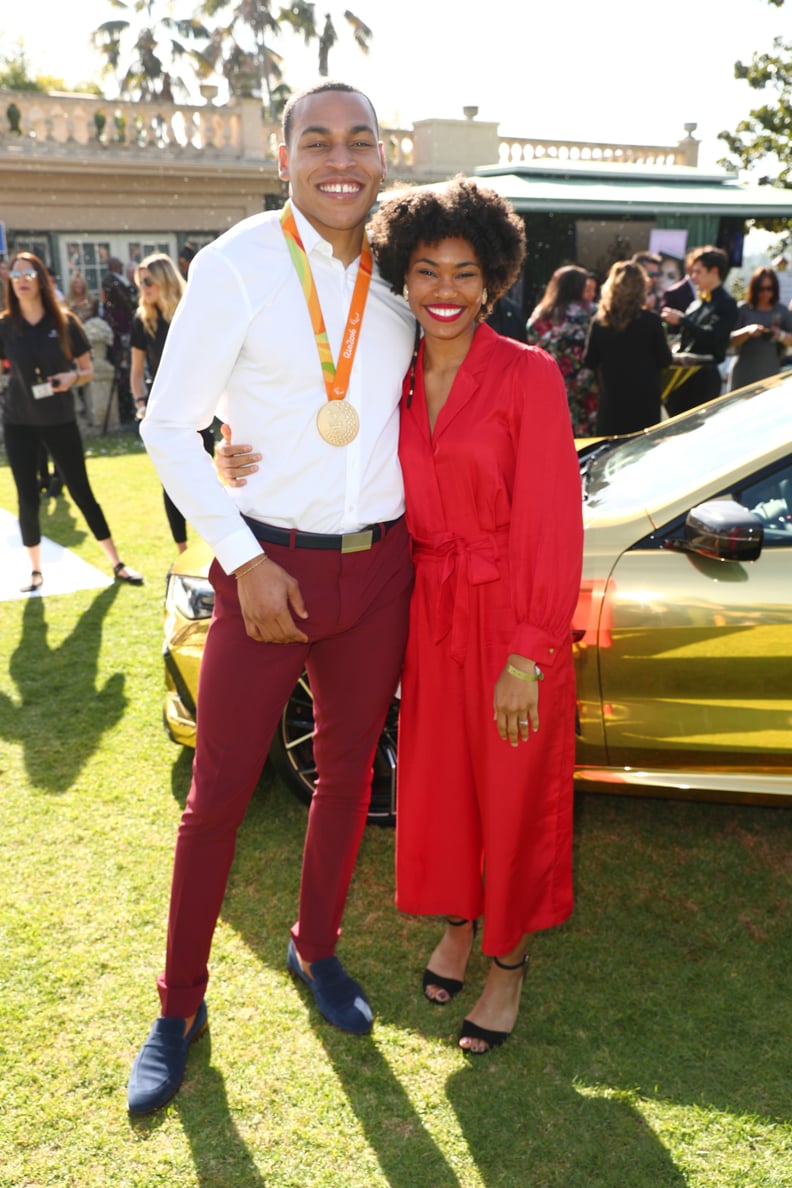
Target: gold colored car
point(683, 631)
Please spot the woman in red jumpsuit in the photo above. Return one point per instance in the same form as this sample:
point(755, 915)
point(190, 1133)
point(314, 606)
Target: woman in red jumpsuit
point(486, 732)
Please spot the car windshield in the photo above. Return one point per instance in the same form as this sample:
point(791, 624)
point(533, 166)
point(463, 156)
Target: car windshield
point(685, 453)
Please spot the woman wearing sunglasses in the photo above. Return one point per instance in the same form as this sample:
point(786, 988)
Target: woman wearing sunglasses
point(48, 354)
point(161, 288)
point(763, 332)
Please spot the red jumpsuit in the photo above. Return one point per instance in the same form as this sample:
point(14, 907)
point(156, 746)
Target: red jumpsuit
point(494, 512)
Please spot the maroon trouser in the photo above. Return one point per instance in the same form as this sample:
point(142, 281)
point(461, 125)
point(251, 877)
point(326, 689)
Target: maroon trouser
point(358, 609)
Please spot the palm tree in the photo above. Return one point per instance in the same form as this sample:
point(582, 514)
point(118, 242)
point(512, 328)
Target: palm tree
point(227, 45)
point(145, 69)
point(300, 16)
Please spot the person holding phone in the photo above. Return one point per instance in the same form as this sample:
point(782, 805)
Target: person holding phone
point(48, 354)
point(763, 332)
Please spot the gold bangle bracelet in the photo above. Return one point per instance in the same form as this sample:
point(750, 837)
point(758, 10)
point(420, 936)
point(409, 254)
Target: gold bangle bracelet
point(256, 561)
point(536, 675)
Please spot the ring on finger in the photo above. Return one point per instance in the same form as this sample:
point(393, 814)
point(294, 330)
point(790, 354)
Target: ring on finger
point(522, 722)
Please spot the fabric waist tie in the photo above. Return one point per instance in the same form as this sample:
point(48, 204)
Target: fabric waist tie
point(465, 563)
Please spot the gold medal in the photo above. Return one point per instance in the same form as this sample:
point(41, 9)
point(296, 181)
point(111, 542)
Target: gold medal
point(338, 422)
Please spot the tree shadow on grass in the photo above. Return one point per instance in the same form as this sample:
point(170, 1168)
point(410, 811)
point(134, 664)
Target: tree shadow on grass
point(61, 715)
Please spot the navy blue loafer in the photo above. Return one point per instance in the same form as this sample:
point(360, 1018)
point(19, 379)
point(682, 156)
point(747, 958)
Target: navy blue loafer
point(339, 998)
point(159, 1066)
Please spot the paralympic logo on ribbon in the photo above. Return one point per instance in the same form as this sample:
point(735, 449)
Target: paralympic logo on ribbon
point(352, 333)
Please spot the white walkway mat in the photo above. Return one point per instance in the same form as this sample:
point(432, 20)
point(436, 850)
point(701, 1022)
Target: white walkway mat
point(64, 572)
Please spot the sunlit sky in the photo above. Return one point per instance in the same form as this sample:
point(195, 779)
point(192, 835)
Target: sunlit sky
point(617, 70)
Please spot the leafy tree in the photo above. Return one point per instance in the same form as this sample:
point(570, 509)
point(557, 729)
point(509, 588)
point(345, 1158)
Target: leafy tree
point(143, 54)
point(766, 134)
point(767, 131)
point(15, 74)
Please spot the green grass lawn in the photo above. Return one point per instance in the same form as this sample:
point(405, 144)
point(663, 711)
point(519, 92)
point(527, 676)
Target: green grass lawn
point(653, 1049)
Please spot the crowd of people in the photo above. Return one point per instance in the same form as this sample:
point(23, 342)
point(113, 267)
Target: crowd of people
point(655, 342)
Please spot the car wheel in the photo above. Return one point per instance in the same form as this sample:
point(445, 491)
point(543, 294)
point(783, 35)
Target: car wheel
point(293, 758)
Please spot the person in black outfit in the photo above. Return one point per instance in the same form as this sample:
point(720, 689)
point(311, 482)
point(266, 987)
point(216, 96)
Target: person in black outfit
point(48, 354)
point(627, 346)
point(118, 308)
point(161, 288)
point(705, 327)
point(186, 256)
point(508, 319)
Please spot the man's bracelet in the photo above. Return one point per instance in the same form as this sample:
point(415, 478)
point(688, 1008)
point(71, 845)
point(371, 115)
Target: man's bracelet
point(536, 675)
point(252, 565)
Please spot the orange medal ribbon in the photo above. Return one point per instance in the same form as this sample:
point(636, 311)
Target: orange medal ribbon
point(337, 421)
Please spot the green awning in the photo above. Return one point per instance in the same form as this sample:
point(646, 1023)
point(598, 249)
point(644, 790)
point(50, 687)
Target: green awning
point(648, 195)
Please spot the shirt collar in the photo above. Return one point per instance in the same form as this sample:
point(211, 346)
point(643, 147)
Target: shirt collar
point(312, 240)
point(309, 235)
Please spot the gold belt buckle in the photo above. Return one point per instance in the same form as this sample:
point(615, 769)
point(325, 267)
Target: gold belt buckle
point(357, 542)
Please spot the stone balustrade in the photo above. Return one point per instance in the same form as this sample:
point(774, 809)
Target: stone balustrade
point(58, 124)
point(521, 150)
point(84, 123)
point(64, 124)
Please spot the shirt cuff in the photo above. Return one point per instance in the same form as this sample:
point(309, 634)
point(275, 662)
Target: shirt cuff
point(535, 644)
point(236, 549)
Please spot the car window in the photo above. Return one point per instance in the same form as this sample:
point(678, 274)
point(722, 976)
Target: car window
point(771, 500)
point(677, 455)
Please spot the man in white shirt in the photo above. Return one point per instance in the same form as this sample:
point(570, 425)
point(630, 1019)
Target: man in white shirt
point(331, 591)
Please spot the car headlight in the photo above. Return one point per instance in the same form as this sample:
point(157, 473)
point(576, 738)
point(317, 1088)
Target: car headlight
point(190, 597)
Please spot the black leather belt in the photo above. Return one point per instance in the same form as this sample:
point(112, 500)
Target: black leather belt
point(349, 542)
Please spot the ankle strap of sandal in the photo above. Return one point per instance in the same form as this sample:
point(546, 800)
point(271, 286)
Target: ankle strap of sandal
point(502, 964)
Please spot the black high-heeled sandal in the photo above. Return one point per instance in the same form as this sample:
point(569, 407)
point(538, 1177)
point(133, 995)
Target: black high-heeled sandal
point(36, 582)
point(452, 986)
point(471, 1030)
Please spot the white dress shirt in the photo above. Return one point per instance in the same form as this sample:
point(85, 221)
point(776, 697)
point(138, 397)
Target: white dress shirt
point(241, 346)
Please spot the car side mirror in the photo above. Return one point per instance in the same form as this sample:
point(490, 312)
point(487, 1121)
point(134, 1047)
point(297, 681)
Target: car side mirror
point(725, 530)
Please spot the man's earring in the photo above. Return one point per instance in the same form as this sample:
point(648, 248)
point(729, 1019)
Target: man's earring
point(405, 294)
